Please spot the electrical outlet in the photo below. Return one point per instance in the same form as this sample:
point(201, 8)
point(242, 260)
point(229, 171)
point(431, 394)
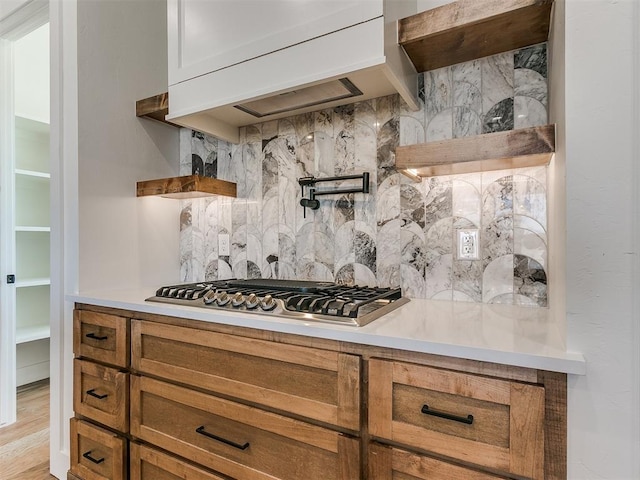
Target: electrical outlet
point(223, 245)
point(468, 244)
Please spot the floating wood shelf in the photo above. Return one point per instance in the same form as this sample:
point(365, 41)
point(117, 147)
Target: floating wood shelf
point(155, 108)
point(525, 147)
point(470, 29)
point(190, 186)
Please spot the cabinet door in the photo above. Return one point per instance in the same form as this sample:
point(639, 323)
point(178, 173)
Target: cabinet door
point(494, 423)
point(205, 36)
point(238, 440)
point(149, 464)
point(309, 382)
point(96, 453)
point(387, 463)
point(101, 337)
point(101, 394)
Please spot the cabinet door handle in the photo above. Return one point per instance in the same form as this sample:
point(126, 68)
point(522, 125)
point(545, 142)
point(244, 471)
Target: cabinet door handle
point(93, 393)
point(239, 446)
point(88, 456)
point(93, 336)
point(468, 420)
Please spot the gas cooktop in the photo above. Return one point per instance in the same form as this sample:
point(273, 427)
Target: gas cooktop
point(303, 300)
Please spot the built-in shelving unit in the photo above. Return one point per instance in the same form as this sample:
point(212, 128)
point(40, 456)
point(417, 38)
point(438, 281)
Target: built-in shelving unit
point(469, 29)
point(32, 230)
point(189, 186)
point(525, 147)
point(459, 32)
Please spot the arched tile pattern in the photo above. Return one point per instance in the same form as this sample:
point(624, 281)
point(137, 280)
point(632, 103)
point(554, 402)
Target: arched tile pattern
point(402, 233)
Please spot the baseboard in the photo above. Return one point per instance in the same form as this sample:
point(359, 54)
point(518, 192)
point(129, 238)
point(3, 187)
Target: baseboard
point(32, 373)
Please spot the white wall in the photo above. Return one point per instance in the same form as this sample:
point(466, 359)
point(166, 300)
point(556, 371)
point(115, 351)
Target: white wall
point(122, 57)
point(31, 57)
point(602, 251)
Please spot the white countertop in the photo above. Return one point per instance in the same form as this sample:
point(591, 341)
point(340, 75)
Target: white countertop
point(505, 334)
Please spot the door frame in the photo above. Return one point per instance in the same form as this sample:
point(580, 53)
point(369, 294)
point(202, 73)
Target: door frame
point(63, 26)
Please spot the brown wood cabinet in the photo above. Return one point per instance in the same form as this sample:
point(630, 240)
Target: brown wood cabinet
point(319, 384)
point(97, 453)
point(238, 440)
point(485, 421)
point(101, 393)
point(201, 401)
point(150, 464)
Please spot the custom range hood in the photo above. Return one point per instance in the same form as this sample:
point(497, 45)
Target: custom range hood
point(349, 64)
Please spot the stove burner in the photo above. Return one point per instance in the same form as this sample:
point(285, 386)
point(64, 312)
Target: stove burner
point(323, 301)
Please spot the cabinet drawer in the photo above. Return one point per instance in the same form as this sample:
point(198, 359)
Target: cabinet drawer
point(494, 423)
point(386, 463)
point(149, 464)
point(309, 382)
point(101, 337)
point(237, 440)
point(101, 393)
point(96, 453)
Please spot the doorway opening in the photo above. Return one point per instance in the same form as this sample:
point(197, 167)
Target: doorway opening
point(24, 205)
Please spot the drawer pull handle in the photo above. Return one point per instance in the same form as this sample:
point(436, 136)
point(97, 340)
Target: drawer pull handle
point(468, 420)
point(239, 446)
point(88, 456)
point(93, 393)
point(93, 336)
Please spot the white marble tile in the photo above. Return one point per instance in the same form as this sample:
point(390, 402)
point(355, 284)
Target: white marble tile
point(497, 79)
point(467, 279)
point(364, 276)
point(413, 284)
point(345, 245)
point(496, 239)
point(467, 86)
point(527, 243)
point(438, 86)
point(412, 130)
point(530, 198)
point(466, 123)
point(497, 279)
point(440, 126)
point(528, 223)
point(528, 112)
point(388, 200)
point(402, 233)
point(438, 279)
point(529, 83)
point(466, 201)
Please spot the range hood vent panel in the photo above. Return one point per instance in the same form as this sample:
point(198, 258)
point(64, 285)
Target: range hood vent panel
point(339, 89)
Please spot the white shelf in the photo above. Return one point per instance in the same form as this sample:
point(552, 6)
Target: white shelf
point(32, 173)
point(32, 333)
point(25, 228)
point(33, 282)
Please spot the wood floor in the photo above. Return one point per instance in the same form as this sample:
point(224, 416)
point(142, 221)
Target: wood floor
point(24, 446)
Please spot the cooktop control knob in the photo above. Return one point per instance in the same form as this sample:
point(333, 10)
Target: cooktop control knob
point(237, 300)
point(209, 297)
point(222, 298)
point(268, 303)
point(252, 301)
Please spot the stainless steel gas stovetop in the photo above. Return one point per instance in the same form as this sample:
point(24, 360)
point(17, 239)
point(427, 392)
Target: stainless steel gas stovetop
point(303, 300)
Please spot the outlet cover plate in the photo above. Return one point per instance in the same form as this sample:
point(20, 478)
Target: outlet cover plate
point(468, 244)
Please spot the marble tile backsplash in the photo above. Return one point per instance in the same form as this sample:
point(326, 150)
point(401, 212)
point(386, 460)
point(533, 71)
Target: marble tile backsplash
point(402, 233)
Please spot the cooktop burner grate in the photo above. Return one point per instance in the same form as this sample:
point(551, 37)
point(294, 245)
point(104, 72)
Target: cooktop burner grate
point(323, 301)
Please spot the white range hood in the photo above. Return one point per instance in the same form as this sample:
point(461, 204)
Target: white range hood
point(351, 63)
